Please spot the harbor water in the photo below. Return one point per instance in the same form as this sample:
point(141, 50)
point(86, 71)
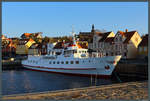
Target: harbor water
point(27, 81)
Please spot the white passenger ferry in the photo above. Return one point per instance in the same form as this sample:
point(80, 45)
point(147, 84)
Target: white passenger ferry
point(72, 60)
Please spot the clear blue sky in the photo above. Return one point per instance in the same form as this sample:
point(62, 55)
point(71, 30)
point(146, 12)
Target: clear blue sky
point(57, 18)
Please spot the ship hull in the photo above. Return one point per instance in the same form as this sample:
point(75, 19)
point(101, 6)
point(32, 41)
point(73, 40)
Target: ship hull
point(73, 74)
point(100, 67)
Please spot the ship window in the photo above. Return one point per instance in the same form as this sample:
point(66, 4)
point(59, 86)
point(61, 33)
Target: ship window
point(57, 62)
point(77, 62)
point(50, 62)
point(62, 62)
point(66, 62)
point(89, 61)
point(71, 62)
point(54, 62)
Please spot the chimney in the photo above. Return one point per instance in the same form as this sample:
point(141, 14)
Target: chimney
point(126, 30)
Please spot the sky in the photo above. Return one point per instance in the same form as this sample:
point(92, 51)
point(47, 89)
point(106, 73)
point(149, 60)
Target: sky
point(57, 18)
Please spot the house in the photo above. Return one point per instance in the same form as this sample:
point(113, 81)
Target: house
point(126, 44)
point(87, 36)
point(34, 49)
point(23, 46)
point(92, 38)
point(99, 41)
point(3, 37)
point(143, 47)
point(9, 49)
point(42, 48)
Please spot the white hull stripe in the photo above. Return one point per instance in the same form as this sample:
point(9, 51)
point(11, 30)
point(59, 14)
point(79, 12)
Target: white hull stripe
point(60, 68)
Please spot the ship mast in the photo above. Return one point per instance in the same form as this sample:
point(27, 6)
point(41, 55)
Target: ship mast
point(73, 34)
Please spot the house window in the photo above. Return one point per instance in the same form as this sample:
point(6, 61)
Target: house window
point(140, 49)
point(125, 54)
point(145, 48)
point(120, 38)
point(116, 47)
point(116, 39)
point(125, 46)
point(111, 53)
point(136, 39)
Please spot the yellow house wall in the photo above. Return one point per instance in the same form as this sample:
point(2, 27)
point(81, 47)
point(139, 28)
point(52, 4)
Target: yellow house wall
point(132, 47)
point(132, 51)
point(136, 43)
point(21, 49)
point(29, 43)
point(33, 51)
point(111, 34)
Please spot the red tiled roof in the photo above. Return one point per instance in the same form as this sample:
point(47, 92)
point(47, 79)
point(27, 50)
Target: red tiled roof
point(128, 36)
point(27, 34)
point(104, 36)
point(144, 41)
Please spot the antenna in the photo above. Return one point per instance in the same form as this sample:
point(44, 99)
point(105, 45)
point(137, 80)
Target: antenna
point(73, 34)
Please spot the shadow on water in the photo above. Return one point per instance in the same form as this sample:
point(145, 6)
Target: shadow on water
point(26, 81)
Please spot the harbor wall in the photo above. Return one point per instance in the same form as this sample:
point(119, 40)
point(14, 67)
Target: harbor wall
point(132, 70)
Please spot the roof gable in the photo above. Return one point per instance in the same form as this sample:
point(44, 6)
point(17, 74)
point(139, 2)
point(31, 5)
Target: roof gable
point(144, 41)
point(104, 36)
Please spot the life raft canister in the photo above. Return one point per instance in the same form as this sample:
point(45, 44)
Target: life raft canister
point(107, 67)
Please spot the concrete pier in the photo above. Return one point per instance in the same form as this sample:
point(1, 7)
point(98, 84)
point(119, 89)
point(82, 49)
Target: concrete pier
point(11, 65)
point(121, 91)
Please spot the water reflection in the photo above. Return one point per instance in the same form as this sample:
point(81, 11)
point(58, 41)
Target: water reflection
point(25, 81)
